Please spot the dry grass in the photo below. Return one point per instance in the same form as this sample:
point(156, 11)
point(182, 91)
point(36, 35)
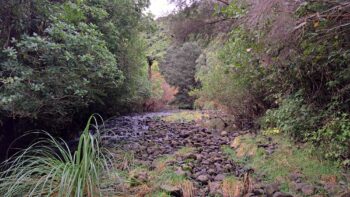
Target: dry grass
point(242, 147)
point(161, 175)
point(231, 187)
point(184, 151)
point(185, 116)
point(187, 188)
point(143, 190)
point(247, 183)
point(126, 160)
point(162, 163)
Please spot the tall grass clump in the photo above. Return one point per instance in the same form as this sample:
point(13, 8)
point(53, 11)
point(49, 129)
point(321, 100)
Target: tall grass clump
point(50, 168)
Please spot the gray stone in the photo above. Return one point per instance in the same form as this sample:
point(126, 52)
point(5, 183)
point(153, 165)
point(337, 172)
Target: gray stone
point(205, 162)
point(223, 133)
point(271, 188)
point(219, 177)
point(235, 134)
point(185, 134)
point(203, 178)
point(258, 191)
point(211, 171)
point(308, 190)
point(199, 157)
point(180, 172)
point(228, 167)
point(297, 186)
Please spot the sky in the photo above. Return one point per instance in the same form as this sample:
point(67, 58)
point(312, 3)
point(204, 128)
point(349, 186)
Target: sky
point(161, 7)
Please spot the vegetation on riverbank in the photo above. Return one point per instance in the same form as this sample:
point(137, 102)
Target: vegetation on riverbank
point(273, 64)
point(61, 61)
point(277, 160)
point(49, 167)
point(279, 68)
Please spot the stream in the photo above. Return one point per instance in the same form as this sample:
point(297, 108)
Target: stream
point(149, 137)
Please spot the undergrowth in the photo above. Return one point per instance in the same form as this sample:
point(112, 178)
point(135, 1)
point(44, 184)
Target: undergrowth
point(329, 132)
point(140, 180)
point(287, 158)
point(49, 168)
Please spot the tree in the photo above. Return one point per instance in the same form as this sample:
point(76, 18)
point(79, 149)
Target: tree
point(60, 61)
point(179, 68)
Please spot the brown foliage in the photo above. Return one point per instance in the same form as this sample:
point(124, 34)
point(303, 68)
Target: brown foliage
point(275, 17)
point(337, 15)
point(168, 94)
point(198, 18)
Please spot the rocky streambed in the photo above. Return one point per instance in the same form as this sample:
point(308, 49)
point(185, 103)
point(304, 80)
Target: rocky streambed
point(149, 137)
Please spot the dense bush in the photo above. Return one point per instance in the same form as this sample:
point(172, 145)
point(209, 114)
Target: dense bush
point(315, 82)
point(290, 61)
point(179, 69)
point(61, 61)
point(333, 138)
point(294, 117)
point(52, 76)
point(235, 80)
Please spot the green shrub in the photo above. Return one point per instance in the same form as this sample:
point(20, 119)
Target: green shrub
point(235, 81)
point(62, 60)
point(292, 116)
point(179, 69)
point(53, 75)
point(334, 139)
point(48, 168)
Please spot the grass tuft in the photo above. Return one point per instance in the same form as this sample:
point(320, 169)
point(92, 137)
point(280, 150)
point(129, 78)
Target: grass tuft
point(48, 168)
point(185, 116)
point(231, 187)
point(187, 188)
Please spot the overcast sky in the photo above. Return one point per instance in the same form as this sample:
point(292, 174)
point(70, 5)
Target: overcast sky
point(161, 7)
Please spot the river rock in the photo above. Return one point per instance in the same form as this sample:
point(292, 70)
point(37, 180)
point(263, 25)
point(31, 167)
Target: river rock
point(172, 190)
point(271, 189)
point(258, 191)
point(180, 172)
point(203, 178)
point(185, 134)
point(295, 176)
point(211, 171)
point(308, 190)
point(219, 177)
